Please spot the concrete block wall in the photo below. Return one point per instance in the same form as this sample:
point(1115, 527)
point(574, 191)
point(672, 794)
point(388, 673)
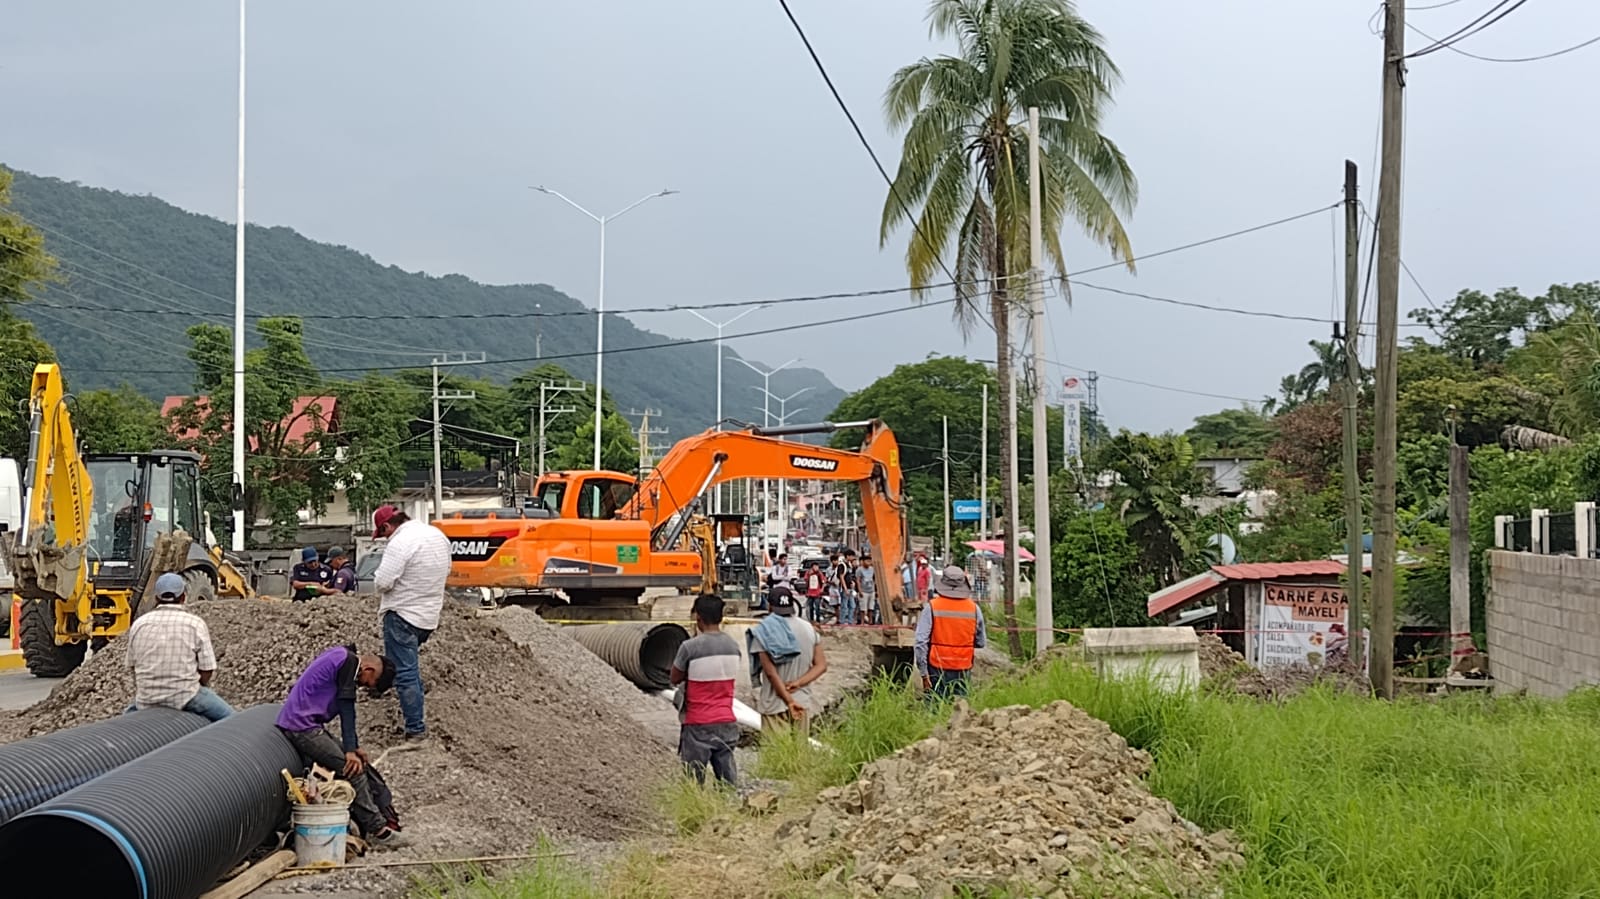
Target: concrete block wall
point(1543, 622)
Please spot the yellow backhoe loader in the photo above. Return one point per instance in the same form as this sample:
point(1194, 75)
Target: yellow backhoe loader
point(90, 526)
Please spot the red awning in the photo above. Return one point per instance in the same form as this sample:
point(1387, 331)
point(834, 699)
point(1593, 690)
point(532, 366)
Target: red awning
point(998, 547)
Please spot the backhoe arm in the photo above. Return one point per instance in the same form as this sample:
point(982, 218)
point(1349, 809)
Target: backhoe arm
point(60, 493)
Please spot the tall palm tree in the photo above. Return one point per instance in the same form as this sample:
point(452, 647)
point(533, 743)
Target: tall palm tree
point(964, 162)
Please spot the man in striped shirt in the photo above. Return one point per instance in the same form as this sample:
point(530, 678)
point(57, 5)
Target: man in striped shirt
point(704, 672)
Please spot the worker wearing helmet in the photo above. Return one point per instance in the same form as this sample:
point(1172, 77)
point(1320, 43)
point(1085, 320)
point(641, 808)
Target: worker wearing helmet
point(949, 632)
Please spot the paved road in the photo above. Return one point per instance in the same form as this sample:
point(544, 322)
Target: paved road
point(19, 689)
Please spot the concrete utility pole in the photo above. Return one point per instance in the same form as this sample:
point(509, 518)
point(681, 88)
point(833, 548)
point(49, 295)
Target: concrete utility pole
point(547, 412)
point(1013, 519)
point(438, 458)
point(1385, 445)
point(1460, 556)
point(538, 330)
point(647, 449)
point(983, 470)
point(1043, 602)
point(239, 423)
point(944, 457)
point(1352, 393)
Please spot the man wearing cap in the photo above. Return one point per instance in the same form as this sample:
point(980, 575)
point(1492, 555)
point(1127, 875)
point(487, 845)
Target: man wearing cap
point(310, 579)
point(325, 690)
point(169, 650)
point(785, 658)
point(344, 570)
point(949, 631)
point(410, 580)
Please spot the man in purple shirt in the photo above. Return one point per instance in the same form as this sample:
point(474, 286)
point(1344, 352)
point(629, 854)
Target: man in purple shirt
point(327, 688)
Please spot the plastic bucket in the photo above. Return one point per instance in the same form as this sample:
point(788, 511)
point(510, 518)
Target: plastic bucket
point(319, 832)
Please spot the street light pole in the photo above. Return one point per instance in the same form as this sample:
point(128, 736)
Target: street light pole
point(766, 420)
point(716, 492)
point(239, 425)
point(600, 295)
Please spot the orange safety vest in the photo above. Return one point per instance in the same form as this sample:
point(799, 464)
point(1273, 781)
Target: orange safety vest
point(955, 627)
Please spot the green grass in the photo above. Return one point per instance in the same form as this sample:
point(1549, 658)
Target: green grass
point(553, 876)
point(1332, 795)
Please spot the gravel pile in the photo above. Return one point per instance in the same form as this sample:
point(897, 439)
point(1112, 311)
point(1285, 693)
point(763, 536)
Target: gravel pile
point(1046, 802)
point(1218, 658)
point(526, 738)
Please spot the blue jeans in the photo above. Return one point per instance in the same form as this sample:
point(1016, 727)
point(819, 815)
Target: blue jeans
point(206, 703)
point(948, 683)
point(847, 608)
point(401, 641)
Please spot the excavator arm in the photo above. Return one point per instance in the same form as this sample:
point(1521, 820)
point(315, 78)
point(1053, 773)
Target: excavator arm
point(698, 463)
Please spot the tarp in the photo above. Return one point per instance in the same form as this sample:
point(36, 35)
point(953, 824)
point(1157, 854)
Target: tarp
point(998, 547)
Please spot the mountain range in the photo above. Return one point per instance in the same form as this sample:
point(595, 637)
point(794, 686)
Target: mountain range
point(137, 271)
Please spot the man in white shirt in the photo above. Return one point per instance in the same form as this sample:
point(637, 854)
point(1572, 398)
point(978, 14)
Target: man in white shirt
point(169, 650)
point(410, 580)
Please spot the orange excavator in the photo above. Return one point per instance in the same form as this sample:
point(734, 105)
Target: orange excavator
point(592, 542)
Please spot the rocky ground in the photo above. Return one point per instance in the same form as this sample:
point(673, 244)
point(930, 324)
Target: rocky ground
point(1047, 802)
point(531, 735)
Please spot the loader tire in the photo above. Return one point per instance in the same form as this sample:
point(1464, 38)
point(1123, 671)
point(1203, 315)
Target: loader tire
point(36, 631)
point(199, 585)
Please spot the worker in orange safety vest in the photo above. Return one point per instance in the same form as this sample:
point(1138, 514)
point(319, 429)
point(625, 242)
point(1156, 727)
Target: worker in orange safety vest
point(949, 631)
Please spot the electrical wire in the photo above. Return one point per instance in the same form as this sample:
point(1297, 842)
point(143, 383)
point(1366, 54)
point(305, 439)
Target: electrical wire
point(1471, 28)
point(1542, 56)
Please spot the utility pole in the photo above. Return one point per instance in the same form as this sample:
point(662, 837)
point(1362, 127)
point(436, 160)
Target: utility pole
point(1460, 556)
point(1385, 446)
point(547, 412)
point(538, 330)
point(1013, 520)
point(647, 450)
point(983, 470)
point(1043, 604)
point(1352, 393)
point(944, 457)
point(438, 459)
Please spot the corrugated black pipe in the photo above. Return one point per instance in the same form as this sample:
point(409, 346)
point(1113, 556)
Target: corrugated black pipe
point(164, 826)
point(41, 768)
point(642, 651)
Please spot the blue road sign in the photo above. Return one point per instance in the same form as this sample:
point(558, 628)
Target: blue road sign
point(966, 509)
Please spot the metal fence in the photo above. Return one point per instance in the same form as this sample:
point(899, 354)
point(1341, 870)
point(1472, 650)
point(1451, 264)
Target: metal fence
point(1574, 532)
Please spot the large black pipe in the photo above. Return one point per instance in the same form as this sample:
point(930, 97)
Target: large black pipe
point(164, 826)
point(641, 651)
point(39, 769)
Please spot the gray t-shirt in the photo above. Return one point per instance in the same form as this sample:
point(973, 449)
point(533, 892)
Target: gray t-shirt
point(768, 702)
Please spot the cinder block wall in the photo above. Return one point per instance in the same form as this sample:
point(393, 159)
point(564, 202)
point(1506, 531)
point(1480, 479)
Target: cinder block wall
point(1543, 622)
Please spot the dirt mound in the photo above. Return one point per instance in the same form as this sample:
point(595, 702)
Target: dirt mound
point(522, 742)
point(1226, 670)
point(1040, 801)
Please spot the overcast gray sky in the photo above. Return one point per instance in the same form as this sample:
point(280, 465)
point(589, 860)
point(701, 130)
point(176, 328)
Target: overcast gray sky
point(411, 130)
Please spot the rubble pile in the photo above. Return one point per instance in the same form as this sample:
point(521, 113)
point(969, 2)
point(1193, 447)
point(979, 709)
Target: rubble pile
point(1046, 802)
point(1226, 671)
point(1218, 658)
point(522, 743)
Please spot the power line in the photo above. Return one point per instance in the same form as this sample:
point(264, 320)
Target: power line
point(1542, 56)
point(1471, 28)
point(867, 145)
point(1210, 240)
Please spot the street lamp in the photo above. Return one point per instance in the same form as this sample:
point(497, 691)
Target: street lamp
point(238, 319)
point(766, 419)
point(716, 493)
point(600, 294)
point(783, 419)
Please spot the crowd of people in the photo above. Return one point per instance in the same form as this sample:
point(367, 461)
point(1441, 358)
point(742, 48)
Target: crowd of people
point(842, 590)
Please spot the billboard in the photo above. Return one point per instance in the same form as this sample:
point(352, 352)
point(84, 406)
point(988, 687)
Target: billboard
point(1303, 624)
point(1075, 392)
point(966, 510)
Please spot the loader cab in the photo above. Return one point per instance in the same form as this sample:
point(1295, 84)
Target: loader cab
point(136, 497)
point(593, 495)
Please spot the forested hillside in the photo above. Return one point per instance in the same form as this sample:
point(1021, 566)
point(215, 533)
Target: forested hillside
point(136, 272)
